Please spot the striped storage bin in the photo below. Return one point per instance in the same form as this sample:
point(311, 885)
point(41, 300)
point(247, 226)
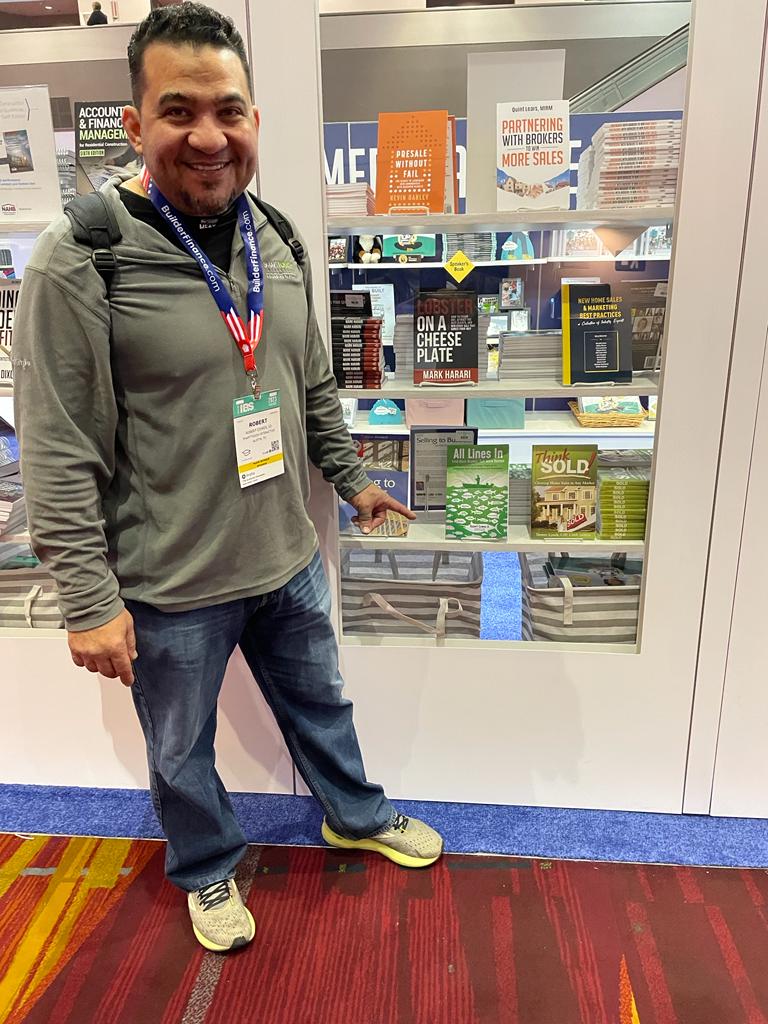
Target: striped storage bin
point(411, 593)
point(29, 599)
point(591, 615)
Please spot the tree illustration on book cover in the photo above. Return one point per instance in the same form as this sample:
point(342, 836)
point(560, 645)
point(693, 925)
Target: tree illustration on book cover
point(477, 491)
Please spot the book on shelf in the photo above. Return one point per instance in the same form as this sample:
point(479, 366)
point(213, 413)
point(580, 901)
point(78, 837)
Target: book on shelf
point(349, 411)
point(408, 248)
point(429, 464)
point(652, 404)
point(630, 163)
point(338, 250)
point(445, 349)
point(9, 452)
point(531, 355)
point(403, 344)
point(416, 163)
point(7, 268)
point(383, 307)
point(9, 296)
point(355, 200)
point(622, 502)
point(647, 301)
point(597, 339)
point(580, 243)
point(102, 147)
point(13, 516)
point(488, 303)
point(395, 483)
point(511, 292)
point(627, 405)
point(519, 494)
point(479, 246)
point(563, 491)
point(477, 491)
point(520, 320)
point(623, 458)
point(533, 155)
point(356, 346)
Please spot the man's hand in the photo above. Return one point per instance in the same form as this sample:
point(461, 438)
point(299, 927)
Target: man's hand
point(108, 649)
point(372, 504)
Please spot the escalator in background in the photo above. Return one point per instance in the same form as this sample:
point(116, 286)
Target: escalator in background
point(636, 77)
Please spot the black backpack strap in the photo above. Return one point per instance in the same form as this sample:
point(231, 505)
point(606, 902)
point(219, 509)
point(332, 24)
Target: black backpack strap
point(94, 224)
point(284, 228)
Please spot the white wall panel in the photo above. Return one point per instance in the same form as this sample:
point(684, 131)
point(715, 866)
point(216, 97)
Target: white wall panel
point(735, 539)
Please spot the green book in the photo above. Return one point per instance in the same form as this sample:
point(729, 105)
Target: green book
point(477, 491)
point(563, 492)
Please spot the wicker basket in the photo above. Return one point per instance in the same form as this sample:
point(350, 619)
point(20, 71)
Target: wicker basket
point(598, 420)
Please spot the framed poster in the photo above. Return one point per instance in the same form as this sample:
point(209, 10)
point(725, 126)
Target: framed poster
point(29, 179)
point(511, 293)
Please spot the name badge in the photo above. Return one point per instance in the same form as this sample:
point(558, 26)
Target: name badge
point(258, 439)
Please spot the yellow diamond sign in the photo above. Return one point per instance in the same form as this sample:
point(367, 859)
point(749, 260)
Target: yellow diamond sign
point(459, 265)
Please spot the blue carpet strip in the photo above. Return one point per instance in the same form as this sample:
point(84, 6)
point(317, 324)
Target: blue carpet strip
point(549, 833)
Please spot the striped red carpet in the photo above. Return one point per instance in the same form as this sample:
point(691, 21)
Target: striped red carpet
point(90, 933)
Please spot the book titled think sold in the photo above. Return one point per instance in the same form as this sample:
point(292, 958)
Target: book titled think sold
point(563, 491)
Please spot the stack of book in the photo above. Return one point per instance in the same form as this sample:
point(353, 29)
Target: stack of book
point(403, 343)
point(13, 516)
point(630, 163)
point(479, 246)
point(623, 458)
point(519, 494)
point(358, 356)
point(350, 200)
point(622, 503)
point(534, 356)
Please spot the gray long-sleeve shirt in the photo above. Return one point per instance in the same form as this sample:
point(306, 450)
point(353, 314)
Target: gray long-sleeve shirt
point(127, 442)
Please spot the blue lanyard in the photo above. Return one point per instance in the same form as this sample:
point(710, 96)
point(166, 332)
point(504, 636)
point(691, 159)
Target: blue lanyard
point(247, 340)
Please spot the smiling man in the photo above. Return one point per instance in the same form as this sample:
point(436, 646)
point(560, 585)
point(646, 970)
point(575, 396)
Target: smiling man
point(172, 537)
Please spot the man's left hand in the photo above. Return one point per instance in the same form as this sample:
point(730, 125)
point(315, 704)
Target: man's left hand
point(372, 504)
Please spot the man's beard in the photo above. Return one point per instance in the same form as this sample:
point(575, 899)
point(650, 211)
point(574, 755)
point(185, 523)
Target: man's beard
point(207, 206)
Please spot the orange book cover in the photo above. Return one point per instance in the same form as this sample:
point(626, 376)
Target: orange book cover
point(411, 160)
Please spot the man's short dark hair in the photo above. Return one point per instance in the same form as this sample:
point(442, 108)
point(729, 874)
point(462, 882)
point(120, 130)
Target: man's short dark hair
point(179, 24)
point(96, 5)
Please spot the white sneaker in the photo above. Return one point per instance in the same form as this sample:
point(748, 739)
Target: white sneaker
point(220, 920)
point(408, 842)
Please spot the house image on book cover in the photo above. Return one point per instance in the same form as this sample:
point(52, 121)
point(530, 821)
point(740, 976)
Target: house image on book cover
point(569, 509)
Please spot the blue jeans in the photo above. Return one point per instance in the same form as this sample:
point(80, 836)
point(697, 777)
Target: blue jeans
point(289, 644)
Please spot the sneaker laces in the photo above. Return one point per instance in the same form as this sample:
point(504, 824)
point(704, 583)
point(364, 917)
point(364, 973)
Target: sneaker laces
point(400, 823)
point(213, 895)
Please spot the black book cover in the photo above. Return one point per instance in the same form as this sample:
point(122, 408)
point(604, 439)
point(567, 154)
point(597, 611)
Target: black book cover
point(445, 338)
point(597, 336)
